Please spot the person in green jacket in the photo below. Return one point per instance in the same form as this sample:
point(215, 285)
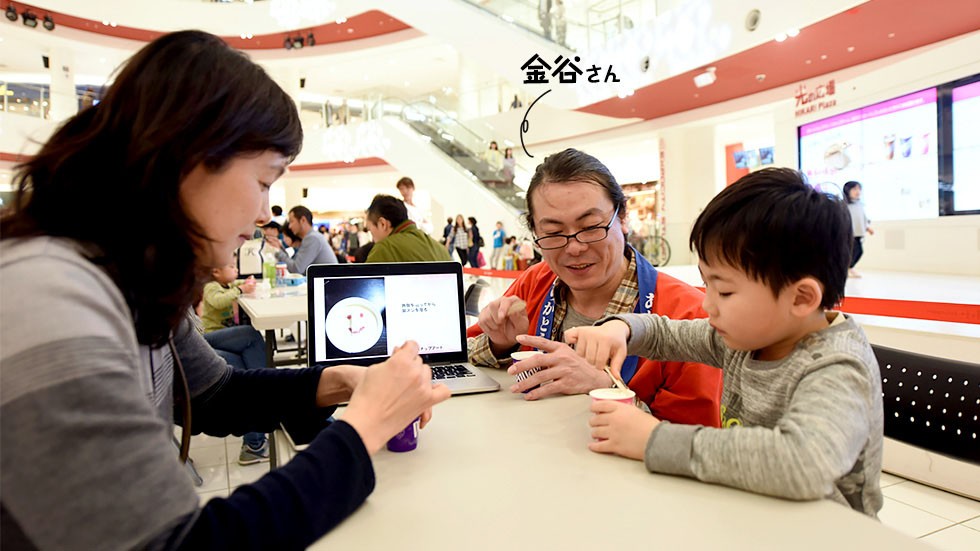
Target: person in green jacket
point(396, 238)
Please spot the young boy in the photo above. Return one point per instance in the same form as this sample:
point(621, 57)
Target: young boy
point(240, 345)
point(221, 298)
point(801, 404)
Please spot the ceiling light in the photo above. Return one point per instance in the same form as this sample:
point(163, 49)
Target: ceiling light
point(780, 37)
point(48, 23)
point(706, 78)
point(11, 12)
point(792, 32)
point(29, 19)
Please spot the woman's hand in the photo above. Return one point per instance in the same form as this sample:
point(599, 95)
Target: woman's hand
point(391, 395)
point(564, 370)
point(502, 321)
point(338, 383)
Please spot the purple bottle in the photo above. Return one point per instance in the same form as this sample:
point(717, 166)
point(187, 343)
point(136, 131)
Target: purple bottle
point(406, 440)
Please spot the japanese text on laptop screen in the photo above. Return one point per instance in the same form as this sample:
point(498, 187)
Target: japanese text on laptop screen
point(366, 317)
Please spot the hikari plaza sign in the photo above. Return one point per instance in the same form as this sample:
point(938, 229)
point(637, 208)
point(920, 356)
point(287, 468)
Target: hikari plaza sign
point(822, 97)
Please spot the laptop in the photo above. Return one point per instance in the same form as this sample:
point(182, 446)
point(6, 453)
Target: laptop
point(359, 313)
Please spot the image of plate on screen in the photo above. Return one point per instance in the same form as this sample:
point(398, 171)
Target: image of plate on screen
point(354, 325)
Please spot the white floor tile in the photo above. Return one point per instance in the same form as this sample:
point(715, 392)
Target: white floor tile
point(204, 441)
point(245, 474)
point(215, 478)
point(975, 524)
point(204, 497)
point(909, 520)
point(889, 479)
point(955, 538)
point(209, 456)
point(943, 504)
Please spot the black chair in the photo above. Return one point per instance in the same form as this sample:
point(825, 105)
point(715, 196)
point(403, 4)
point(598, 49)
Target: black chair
point(932, 403)
point(471, 297)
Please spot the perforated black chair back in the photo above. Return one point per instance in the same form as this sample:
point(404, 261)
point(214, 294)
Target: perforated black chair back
point(471, 297)
point(932, 403)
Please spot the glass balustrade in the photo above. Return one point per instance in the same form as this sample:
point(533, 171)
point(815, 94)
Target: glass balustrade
point(468, 149)
point(579, 26)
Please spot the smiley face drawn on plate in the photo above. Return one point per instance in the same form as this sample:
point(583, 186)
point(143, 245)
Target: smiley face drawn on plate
point(353, 325)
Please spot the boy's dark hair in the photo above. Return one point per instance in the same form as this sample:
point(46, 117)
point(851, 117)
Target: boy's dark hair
point(775, 227)
point(405, 181)
point(276, 210)
point(847, 190)
point(159, 120)
point(301, 212)
point(391, 209)
point(273, 224)
point(289, 233)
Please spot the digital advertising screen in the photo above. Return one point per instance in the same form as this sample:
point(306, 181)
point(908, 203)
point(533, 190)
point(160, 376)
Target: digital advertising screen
point(966, 147)
point(890, 147)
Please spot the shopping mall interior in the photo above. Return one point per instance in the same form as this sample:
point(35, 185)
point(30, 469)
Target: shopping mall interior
point(679, 98)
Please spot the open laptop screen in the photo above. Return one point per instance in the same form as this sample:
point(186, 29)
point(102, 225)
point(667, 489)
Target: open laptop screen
point(360, 313)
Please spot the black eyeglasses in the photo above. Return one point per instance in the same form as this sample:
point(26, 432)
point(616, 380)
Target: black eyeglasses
point(588, 235)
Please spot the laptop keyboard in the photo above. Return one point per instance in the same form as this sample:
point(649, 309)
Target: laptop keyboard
point(454, 371)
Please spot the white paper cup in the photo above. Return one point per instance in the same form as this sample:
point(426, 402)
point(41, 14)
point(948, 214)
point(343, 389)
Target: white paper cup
point(625, 396)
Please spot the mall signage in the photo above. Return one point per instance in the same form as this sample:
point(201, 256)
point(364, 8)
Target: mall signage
point(820, 98)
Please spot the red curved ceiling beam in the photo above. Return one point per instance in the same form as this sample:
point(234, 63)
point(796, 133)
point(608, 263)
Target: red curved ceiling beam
point(365, 25)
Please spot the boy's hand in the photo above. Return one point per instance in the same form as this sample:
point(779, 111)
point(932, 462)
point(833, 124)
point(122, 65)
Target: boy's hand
point(622, 429)
point(601, 345)
point(273, 243)
point(248, 286)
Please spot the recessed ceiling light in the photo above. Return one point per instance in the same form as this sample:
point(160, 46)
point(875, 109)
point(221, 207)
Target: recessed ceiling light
point(891, 35)
point(793, 32)
point(780, 37)
point(850, 48)
point(823, 56)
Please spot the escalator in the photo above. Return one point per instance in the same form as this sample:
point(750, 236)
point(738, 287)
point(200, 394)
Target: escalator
point(462, 146)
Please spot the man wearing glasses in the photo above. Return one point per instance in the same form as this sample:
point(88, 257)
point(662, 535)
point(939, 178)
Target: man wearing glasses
point(576, 211)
